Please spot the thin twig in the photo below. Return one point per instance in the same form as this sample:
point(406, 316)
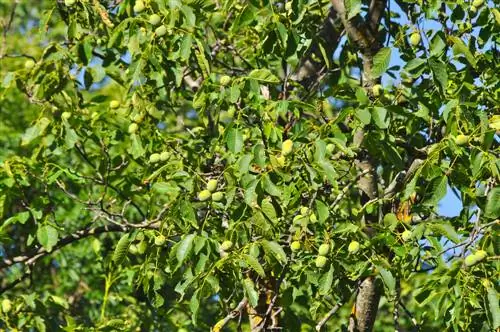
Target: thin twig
point(412, 318)
point(232, 315)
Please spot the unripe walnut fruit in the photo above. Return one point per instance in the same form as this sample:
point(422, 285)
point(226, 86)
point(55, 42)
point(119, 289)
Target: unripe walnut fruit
point(217, 196)
point(477, 3)
point(287, 147)
point(225, 80)
point(226, 245)
point(139, 6)
point(161, 31)
point(353, 247)
point(66, 115)
point(406, 235)
point(6, 305)
point(462, 139)
point(324, 249)
point(29, 64)
point(295, 245)
point(204, 195)
point(377, 90)
point(132, 129)
point(69, 2)
point(154, 158)
point(154, 19)
point(415, 38)
point(114, 104)
point(212, 185)
point(281, 161)
point(164, 156)
point(160, 240)
point(321, 261)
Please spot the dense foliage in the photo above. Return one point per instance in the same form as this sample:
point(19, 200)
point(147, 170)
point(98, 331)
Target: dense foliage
point(195, 165)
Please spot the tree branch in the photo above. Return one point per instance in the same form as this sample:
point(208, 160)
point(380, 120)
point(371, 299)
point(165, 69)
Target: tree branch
point(375, 12)
point(312, 66)
point(31, 258)
point(232, 315)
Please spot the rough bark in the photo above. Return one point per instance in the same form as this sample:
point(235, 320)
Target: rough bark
point(363, 34)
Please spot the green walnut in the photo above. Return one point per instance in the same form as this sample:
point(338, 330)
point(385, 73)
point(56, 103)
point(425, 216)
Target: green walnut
point(377, 90)
point(29, 64)
point(204, 195)
point(226, 245)
point(161, 31)
point(154, 19)
point(114, 104)
point(287, 147)
point(281, 161)
point(304, 211)
point(66, 115)
point(295, 245)
point(225, 80)
point(6, 305)
point(212, 185)
point(132, 129)
point(324, 249)
point(138, 118)
point(353, 247)
point(132, 249)
point(164, 156)
point(69, 3)
point(217, 196)
point(481, 254)
point(415, 38)
point(139, 6)
point(142, 247)
point(477, 3)
point(160, 240)
point(154, 158)
point(475, 258)
point(470, 260)
point(406, 235)
point(313, 218)
point(462, 139)
point(321, 261)
point(330, 148)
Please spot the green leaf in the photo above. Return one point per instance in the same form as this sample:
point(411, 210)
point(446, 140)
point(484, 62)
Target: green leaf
point(71, 137)
point(445, 229)
point(459, 47)
point(437, 188)
point(35, 131)
point(263, 75)
point(439, 72)
point(121, 249)
point(492, 209)
point(493, 306)
point(47, 236)
point(270, 187)
point(381, 62)
point(136, 149)
point(250, 292)
point(379, 115)
point(184, 248)
point(322, 209)
point(194, 305)
point(274, 249)
point(388, 280)
point(234, 140)
point(254, 264)
point(326, 281)
point(268, 209)
point(363, 115)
